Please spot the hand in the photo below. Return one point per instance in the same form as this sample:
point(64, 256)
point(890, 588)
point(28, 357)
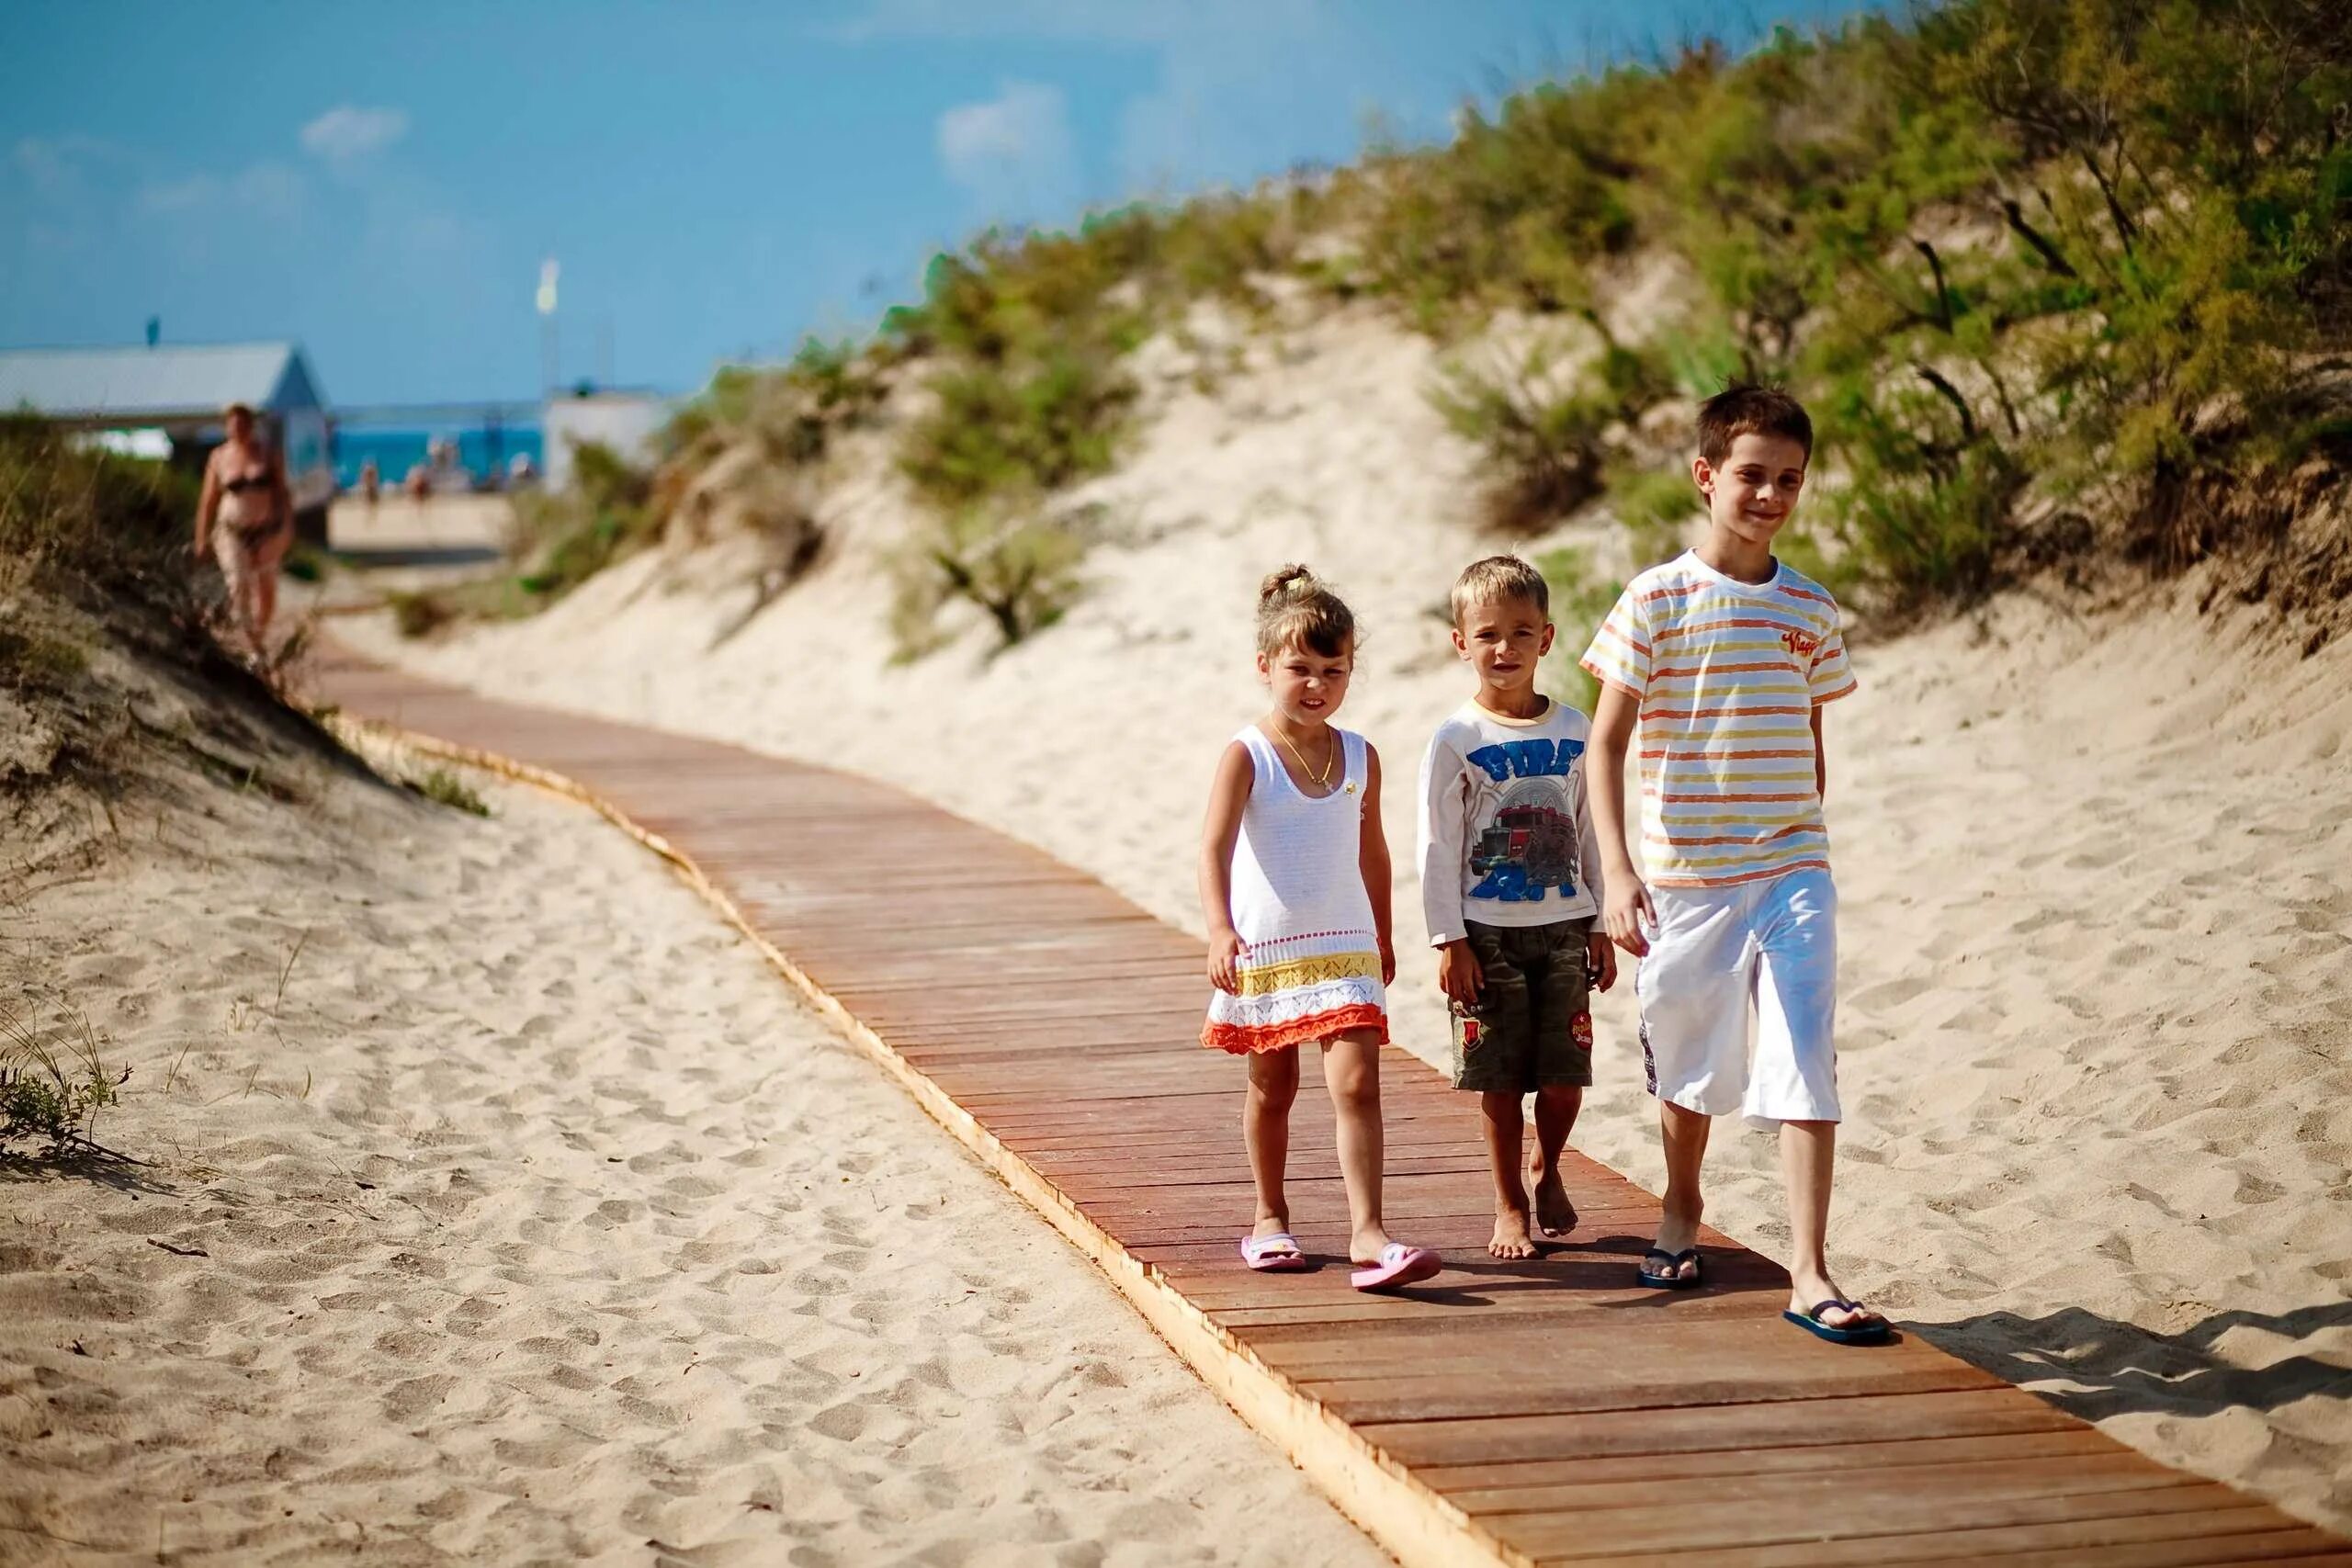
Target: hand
point(1628, 907)
point(1225, 949)
point(1600, 961)
point(1458, 974)
point(1387, 963)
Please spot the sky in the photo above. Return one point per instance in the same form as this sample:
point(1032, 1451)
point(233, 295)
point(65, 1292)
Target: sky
point(714, 179)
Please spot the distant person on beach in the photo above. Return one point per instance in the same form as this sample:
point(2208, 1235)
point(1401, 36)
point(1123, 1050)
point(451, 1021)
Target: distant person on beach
point(418, 482)
point(1294, 883)
point(1510, 887)
point(371, 482)
point(245, 520)
point(1723, 660)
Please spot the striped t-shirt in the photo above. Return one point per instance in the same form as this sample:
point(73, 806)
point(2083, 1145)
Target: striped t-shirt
point(1728, 674)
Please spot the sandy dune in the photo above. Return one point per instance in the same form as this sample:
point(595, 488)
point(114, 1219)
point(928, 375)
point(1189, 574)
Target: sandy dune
point(505, 1207)
point(2096, 879)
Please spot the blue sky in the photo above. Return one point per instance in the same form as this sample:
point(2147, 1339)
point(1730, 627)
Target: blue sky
point(715, 179)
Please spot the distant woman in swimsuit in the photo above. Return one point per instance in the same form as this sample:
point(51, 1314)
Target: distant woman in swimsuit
point(245, 520)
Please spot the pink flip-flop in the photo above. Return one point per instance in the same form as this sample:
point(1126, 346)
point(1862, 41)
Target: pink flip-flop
point(1276, 1254)
point(1398, 1265)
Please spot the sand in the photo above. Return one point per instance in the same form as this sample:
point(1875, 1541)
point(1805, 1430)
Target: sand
point(504, 1206)
point(2095, 876)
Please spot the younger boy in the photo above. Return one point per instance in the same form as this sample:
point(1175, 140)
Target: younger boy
point(1511, 888)
point(1724, 658)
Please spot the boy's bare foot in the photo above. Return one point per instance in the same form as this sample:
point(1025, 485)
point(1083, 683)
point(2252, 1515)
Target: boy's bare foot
point(1677, 1233)
point(1511, 1237)
point(1554, 1214)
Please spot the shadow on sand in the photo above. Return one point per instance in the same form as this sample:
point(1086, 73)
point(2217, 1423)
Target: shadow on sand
point(2120, 1369)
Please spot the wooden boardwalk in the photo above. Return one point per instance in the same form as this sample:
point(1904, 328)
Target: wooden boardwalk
point(1550, 1411)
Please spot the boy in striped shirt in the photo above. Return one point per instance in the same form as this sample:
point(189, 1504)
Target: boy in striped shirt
point(1723, 660)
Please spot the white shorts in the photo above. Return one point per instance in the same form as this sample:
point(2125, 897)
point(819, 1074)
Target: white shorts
point(1715, 953)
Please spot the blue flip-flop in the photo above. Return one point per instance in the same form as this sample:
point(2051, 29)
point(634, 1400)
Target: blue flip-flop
point(1671, 1278)
point(1870, 1333)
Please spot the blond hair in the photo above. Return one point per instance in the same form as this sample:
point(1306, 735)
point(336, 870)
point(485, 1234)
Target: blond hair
point(1498, 579)
point(1297, 609)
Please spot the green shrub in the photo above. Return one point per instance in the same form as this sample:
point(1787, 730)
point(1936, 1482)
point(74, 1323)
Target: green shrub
point(1657, 508)
point(1021, 571)
point(419, 611)
point(563, 538)
point(1580, 602)
point(1007, 429)
point(1548, 437)
point(31, 657)
point(99, 527)
point(792, 414)
point(444, 787)
point(49, 1090)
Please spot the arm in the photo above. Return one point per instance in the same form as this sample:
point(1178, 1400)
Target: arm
point(1599, 954)
point(1615, 719)
point(207, 503)
point(1444, 819)
point(1820, 757)
point(1374, 859)
point(1228, 794)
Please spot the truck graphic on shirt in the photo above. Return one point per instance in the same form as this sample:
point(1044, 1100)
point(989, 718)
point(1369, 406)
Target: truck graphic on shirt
point(1530, 847)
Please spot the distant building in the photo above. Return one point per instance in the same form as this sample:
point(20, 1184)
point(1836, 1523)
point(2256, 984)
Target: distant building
point(169, 399)
point(626, 421)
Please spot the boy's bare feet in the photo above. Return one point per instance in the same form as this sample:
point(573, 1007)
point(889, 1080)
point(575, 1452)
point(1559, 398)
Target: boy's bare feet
point(1511, 1237)
point(1554, 1214)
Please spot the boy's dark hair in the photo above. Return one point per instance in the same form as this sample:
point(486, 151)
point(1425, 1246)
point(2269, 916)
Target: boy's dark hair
point(1746, 408)
point(1496, 579)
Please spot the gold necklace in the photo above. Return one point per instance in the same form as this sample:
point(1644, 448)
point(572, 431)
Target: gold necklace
point(1317, 780)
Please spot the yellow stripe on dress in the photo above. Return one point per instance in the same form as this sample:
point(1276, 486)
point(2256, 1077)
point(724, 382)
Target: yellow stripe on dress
point(1297, 972)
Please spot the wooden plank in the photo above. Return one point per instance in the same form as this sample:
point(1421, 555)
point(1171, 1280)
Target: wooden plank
point(1860, 1475)
point(1872, 1516)
point(1498, 1481)
point(2213, 1536)
point(1546, 1409)
point(1798, 1423)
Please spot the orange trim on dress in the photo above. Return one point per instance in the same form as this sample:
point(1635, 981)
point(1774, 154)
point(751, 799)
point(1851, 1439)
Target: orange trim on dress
point(1248, 1040)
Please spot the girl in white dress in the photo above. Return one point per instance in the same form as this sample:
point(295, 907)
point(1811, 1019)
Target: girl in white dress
point(1295, 883)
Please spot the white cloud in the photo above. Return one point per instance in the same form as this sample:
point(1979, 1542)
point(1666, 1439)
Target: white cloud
point(270, 187)
point(269, 190)
point(179, 196)
point(347, 131)
point(1013, 153)
point(55, 164)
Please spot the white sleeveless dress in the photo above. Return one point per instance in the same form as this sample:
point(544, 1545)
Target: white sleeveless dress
point(1311, 968)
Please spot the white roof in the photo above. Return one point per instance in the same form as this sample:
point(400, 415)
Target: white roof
point(180, 379)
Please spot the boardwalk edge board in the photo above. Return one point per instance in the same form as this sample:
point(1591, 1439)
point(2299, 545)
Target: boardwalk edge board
point(1395, 1508)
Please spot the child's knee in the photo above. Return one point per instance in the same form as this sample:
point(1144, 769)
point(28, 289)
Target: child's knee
point(1273, 1079)
point(1355, 1087)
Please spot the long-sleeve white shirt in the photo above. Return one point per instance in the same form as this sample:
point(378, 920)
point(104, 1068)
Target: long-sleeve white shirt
point(1506, 831)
